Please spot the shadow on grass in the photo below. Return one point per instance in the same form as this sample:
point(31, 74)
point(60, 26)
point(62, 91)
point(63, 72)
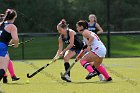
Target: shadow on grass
point(16, 83)
point(95, 82)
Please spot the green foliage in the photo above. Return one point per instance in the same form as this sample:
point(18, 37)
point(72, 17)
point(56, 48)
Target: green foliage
point(131, 24)
point(46, 47)
point(44, 15)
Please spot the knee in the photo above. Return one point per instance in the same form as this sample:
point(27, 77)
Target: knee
point(66, 59)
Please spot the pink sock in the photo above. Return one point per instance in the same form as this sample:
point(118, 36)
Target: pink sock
point(103, 71)
point(87, 66)
point(11, 68)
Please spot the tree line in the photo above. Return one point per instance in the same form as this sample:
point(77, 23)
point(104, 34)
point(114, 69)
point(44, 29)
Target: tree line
point(44, 15)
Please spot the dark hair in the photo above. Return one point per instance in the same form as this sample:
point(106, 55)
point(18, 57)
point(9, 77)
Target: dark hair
point(63, 24)
point(83, 23)
point(10, 14)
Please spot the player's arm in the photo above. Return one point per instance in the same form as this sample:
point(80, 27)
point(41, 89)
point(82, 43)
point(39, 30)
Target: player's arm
point(100, 30)
point(13, 30)
point(60, 46)
point(70, 45)
point(87, 35)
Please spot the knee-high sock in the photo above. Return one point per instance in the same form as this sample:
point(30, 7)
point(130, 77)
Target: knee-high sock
point(87, 66)
point(2, 72)
point(96, 70)
point(11, 68)
point(67, 65)
point(103, 71)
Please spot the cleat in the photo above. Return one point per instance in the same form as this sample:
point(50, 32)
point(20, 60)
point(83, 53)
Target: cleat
point(5, 79)
point(0, 78)
point(90, 75)
point(101, 77)
point(109, 79)
point(14, 78)
point(66, 78)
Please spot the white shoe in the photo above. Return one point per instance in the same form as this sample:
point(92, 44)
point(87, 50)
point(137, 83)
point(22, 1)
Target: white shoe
point(101, 77)
point(66, 78)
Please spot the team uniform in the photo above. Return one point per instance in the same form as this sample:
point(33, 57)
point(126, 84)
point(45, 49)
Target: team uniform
point(92, 27)
point(5, 38)
point(78, 44)
point(97, 46)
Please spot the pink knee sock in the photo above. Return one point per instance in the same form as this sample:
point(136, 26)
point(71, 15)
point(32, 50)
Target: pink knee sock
point(87, 66)
point(103, 71)
point(11, 68)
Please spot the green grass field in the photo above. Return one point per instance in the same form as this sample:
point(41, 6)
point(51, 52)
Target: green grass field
point(121, 46)
point(125, 73)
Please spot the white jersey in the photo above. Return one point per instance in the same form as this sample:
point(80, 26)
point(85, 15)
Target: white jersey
point(97, 45)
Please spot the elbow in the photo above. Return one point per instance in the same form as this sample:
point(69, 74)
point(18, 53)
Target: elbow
point(15, 39)
point(102, 31)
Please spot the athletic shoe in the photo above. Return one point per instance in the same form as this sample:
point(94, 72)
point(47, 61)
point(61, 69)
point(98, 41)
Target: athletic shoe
point(5, 79)
point(90, 75)
point(66, 78)
point(101, 77)
point(109, 79)
point(14, 78)
point(0, 78)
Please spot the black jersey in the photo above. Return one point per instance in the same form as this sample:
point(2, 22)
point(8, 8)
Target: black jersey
point(78, 44)
point(92, 28)
point(5, 36)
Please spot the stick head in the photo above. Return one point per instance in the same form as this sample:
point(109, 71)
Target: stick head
point(28, 76)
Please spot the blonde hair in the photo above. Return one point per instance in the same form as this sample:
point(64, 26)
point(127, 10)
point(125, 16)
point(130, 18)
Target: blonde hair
point(93, 15)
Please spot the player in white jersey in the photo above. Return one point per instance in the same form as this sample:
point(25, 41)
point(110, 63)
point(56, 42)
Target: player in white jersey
point(97, 51)
point(96, 45)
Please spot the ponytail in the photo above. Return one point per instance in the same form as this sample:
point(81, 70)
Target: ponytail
point(10, 14)
point(63, 24)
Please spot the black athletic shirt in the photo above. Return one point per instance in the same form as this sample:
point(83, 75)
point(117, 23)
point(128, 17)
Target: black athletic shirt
point(92, 28)
point(78, 44)
point(5, 36)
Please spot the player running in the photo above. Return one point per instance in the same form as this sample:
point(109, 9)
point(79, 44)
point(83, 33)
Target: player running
point(97, 52)
point(8, 35)
point(74, 45)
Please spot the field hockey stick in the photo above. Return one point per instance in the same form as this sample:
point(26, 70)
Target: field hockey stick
point(33, 74)
point(77, 58)
point(22, 42)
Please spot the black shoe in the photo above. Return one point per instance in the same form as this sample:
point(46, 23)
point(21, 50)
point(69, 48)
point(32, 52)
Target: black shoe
point(0, 78)
point(66, 78)
point(5, 79)
point(90, 75)
point(14, 78)
point(109, 79)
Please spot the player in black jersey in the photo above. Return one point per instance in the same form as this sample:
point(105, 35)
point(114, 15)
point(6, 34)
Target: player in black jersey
point(93, 25)
point(74, 45)
point(10, 64)
point(8, 35)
